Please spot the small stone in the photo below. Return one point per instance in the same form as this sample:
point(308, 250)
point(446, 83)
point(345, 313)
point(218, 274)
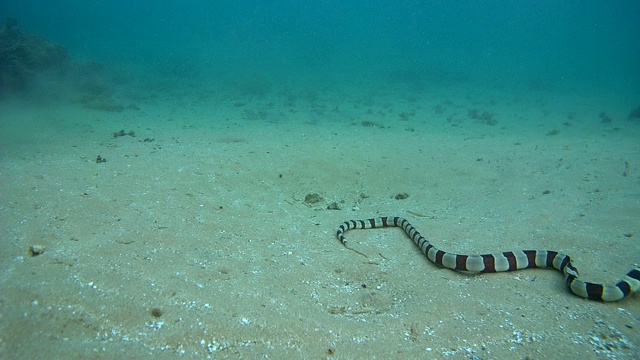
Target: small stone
point(333, 206)
point(313, 198)
point(35, 250)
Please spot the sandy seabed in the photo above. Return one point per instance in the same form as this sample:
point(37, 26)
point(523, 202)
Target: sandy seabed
point(197, 236)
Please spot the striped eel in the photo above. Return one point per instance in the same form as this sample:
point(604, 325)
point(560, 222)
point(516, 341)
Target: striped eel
point(506, 261)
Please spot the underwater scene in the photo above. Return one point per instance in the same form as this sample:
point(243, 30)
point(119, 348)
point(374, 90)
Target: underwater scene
point(320, 179)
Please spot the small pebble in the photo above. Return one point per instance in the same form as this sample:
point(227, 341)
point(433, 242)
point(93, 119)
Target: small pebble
point(35, 250)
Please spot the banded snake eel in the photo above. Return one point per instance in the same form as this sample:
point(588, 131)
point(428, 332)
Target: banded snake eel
point(506, 261)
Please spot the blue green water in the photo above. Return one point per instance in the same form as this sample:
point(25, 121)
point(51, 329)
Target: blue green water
point(572, 44)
